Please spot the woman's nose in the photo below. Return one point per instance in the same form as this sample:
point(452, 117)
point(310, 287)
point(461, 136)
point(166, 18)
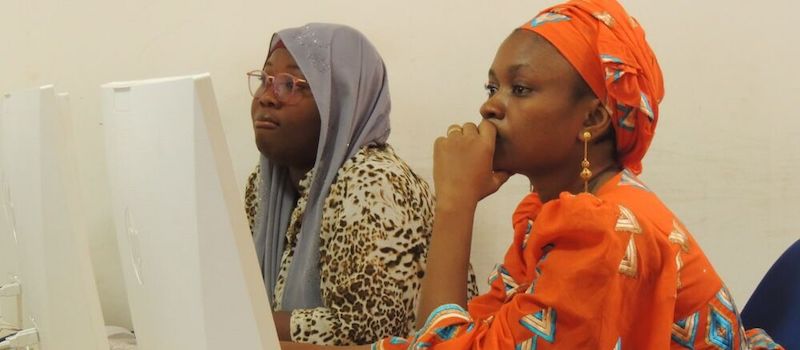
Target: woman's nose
point(493, 108)
point(268, 98)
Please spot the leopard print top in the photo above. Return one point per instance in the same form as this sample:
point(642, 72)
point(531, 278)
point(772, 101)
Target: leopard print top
point(374, 239)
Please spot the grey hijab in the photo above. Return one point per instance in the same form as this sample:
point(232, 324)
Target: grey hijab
point(349, 83)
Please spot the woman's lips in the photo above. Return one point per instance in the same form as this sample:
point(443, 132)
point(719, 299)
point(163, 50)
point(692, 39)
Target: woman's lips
point(265, 123)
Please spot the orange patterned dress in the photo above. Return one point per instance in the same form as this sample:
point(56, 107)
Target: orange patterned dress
point(615, 270)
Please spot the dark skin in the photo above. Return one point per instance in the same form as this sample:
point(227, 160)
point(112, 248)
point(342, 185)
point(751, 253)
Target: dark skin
point(532, 125)
point(288, 135)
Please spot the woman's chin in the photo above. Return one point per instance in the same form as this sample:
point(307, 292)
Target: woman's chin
point(267, 149)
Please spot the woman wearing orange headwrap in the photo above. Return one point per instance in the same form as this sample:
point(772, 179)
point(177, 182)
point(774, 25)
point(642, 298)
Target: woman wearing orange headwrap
point(598, 261)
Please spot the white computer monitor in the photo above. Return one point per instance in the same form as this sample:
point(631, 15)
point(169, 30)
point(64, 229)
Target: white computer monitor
point(191, 272)
point(10, 315)
point(59, 293)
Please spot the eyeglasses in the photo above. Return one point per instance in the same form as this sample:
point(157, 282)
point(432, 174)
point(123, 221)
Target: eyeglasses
point(286, 87)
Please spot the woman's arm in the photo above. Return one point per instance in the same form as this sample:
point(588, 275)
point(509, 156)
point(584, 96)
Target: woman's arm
point(463, 175)
point(282, 321)
point(448, 258)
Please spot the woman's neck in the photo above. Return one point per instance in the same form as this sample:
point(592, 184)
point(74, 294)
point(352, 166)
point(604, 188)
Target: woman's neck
point(603, 166)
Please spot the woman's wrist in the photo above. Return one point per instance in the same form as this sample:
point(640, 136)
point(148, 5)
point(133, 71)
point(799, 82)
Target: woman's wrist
point(455, 203)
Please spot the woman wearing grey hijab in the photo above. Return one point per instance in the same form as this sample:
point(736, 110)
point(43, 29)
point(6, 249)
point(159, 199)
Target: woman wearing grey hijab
point(341, 224)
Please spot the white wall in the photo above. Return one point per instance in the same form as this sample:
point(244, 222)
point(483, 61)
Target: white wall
point(725, 158)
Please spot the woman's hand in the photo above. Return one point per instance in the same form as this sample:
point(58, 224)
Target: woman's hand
point(283, 321)
point(462, 173)
point(462, 164)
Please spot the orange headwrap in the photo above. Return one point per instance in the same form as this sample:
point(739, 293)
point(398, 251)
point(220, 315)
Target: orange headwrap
point(608, 48)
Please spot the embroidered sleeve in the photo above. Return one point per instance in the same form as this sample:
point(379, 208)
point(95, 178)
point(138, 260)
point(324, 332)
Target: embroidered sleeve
point(375, 233)
point(251, 197)
point(561, 286)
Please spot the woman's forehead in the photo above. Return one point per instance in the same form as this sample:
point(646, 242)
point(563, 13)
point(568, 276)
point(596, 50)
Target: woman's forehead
point(527, 52)
point(282, 59)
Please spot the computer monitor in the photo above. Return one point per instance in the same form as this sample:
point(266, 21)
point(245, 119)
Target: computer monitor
point(9, 304)
point(59, 293)
point(191, 273)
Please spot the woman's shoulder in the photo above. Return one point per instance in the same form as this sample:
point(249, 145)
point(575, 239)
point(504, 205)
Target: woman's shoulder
point(379, 164)
point(376, 176)
point(577, 213)
point(624, 202)
point(629, 192)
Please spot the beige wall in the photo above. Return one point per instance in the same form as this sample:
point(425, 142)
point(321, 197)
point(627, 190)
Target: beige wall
point(725, 158)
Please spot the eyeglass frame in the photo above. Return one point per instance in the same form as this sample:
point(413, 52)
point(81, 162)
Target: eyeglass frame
point(268, 80)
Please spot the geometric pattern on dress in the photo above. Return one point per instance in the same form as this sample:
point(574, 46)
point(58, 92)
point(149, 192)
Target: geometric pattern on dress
point(510, 286)
point(720, 330)
point(685, 331)
point(724, 297)
point(541, 323)
point(446, 333)
point(444, 312)
point(758, 338)
point(441, 313)
point(538, 268)
point(392, 341)
point(618, 345)
point(627, 221)
point(494, 274)
point(679, 266)
point(398, 341)
point(628, 178)
point(527, 344)
point(679, 237)
point(629, 265)
point(604, 17)
point(532, 287)
point(527, 233)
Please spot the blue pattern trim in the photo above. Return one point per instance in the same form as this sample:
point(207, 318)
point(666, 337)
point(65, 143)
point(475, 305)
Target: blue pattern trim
point(720, 330)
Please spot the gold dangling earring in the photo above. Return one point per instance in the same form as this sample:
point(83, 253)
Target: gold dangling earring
point(586, 174)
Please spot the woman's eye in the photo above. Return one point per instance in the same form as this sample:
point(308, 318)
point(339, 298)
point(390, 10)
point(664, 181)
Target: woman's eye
point(490, 89)
point(519, 90)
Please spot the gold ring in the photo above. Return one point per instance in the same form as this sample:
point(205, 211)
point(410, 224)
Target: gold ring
point(454, 128)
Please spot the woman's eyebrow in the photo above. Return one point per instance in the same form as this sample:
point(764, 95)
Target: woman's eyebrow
point(291, 66)
point(513, 70)
point(516, 68)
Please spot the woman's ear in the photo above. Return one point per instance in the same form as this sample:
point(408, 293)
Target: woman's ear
point(597, 120)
